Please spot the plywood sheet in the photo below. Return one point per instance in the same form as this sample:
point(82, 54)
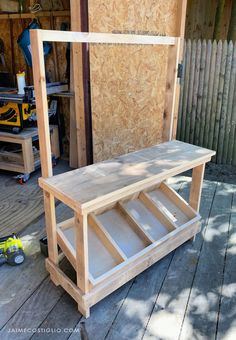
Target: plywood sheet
point(169, 207)
point(119, 229)
point(100, 260)
point(128, 82)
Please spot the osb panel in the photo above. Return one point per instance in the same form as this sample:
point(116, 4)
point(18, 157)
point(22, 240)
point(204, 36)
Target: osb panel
point(128, 82)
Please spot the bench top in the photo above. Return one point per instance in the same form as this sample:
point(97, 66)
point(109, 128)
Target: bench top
point(93, 186)
point(26, 133)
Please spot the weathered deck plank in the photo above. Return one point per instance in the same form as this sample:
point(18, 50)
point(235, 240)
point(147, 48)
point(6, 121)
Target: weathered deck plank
point(200, 320)
point(227, 313)
point(19, 283)
point(20, 205)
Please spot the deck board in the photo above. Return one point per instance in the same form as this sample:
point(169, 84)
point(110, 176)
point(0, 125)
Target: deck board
point(227, 314)
point(20, 205)
point(203, 306)
point(191, 291)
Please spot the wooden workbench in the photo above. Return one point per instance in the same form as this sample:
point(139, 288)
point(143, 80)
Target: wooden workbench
point(125, 217)
point(26, 161)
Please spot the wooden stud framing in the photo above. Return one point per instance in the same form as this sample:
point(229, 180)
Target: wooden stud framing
point(37, 38)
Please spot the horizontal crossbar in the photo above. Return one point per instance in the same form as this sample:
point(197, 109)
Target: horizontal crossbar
point(104, 38)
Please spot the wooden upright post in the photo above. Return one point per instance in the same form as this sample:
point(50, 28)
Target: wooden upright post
point(181, 20)
point(171, 85)
point(41, 103)
point(196, 187)
point(78, 155)
point(81, 239)
point(44, 138)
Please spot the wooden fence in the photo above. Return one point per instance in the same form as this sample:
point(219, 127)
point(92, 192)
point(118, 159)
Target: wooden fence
point(207, 111)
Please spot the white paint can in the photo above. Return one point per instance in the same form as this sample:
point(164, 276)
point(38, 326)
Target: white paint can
point(21, 82)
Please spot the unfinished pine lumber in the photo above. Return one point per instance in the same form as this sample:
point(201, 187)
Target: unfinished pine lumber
point(125, 217)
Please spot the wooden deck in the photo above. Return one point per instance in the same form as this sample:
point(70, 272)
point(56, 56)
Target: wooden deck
point(190, 294)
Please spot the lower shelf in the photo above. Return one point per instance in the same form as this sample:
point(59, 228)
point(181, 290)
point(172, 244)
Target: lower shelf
point(130, 230)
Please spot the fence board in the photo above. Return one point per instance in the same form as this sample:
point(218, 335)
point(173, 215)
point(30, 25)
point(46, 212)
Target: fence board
point(203, 49)
point(210, 94)
point(225, 102)
point(205, 92)
point(213, 114)
point(228, 150)
point(195, 91)
point(190, 93)
point(220, 98)
point(207, 109)
point(185, 86)
point(181, 97)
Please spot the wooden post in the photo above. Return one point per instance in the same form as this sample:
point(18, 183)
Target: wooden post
point(81, 239)
point(78, 157)
point(50, 219)
point(170, 97)
point(181, 20)
point(28, 155)
point(196, 187)
point(55, 142)
point(41, 103)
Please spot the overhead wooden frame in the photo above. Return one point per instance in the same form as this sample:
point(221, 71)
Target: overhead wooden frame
point(37, 39)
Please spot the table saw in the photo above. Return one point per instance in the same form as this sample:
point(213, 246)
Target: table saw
point(18, 110)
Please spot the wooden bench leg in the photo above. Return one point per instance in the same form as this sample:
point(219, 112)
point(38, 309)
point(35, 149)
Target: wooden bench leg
point(54, 136)
point(28, 155)
point(82, 271)
point(51, 227)
point(196, 188)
